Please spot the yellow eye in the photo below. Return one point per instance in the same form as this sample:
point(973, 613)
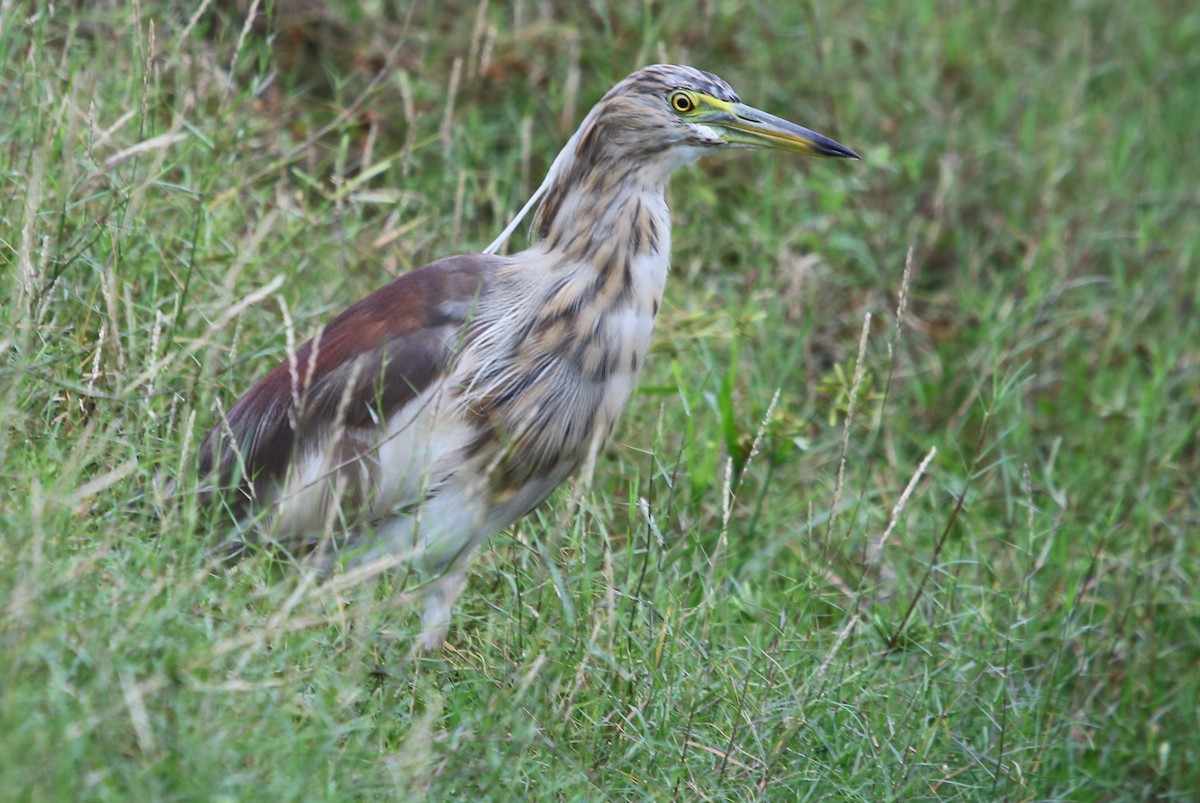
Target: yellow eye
point(682, 102)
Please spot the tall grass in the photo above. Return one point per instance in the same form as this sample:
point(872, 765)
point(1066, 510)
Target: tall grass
point(876, 524)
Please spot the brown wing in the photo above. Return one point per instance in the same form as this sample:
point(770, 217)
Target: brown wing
point(401, 338)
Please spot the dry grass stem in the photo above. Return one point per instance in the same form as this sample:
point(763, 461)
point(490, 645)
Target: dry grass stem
point(851, 404)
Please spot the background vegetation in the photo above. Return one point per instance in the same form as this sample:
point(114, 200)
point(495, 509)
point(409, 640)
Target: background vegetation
point(747, 603)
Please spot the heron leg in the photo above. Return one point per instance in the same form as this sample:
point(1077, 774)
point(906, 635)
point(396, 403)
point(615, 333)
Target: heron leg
point(439, 600)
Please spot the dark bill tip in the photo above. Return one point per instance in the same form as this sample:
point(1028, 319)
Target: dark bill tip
point(827, 147)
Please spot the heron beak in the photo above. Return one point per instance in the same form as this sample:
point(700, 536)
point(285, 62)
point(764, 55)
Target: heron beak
point(748, 127)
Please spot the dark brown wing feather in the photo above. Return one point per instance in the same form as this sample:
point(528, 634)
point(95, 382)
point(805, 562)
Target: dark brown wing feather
point(396, 341)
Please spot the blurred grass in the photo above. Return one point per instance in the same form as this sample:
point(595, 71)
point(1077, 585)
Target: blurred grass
point(178, 200)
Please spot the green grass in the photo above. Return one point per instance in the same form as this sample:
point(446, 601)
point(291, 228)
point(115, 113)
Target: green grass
point(700, 623)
